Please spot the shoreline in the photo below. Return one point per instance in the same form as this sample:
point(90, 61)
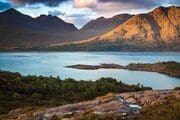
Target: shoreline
point(170, 68)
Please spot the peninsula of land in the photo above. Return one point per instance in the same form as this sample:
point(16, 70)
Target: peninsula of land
point(169, 68)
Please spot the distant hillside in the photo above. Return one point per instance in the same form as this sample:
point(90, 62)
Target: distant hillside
point(43, 23)
point(158, 30)
point(102, 25)
point(22, 32)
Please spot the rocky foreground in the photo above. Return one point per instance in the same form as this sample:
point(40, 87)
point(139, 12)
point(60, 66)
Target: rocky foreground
point(123, 104)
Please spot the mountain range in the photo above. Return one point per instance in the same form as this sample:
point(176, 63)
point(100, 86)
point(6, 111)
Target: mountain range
point(43, 23)
point(158, 30)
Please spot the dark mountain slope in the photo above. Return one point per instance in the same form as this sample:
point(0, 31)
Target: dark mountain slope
point(43, 23)
point(102, 25)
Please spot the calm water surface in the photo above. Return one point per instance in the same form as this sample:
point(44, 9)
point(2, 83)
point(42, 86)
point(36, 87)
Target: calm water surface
point(53, 63)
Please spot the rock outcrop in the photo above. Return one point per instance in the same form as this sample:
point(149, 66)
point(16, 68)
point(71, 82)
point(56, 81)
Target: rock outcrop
point(123, 104)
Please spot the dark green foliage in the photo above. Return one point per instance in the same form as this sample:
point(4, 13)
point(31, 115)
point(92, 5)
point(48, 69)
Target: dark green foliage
point(171, 68)
point(18, 91)
point(177, 88)
point(171, 65)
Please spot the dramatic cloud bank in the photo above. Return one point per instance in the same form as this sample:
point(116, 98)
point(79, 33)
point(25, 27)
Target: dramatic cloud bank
point(85, 3)
point(50, 3)
point(56, 13)
point(121, 5)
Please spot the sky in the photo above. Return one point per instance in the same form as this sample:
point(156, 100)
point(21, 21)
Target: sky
point(79, 12)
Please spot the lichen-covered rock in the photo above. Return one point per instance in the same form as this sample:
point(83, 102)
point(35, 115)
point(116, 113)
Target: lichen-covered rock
point(122, 104)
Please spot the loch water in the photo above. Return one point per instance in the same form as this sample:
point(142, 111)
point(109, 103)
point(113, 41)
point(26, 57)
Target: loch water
point(53, 63)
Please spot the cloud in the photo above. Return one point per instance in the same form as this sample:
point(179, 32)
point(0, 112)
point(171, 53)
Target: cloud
point(33, 7)
point(109, 6)
point(56, 13)
point(85, 3)
point(50, 3)
point(79, 15)
point(78, 18)
point(79, 22)
point(4, 6)
point(134, 3)
point(173, 2)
